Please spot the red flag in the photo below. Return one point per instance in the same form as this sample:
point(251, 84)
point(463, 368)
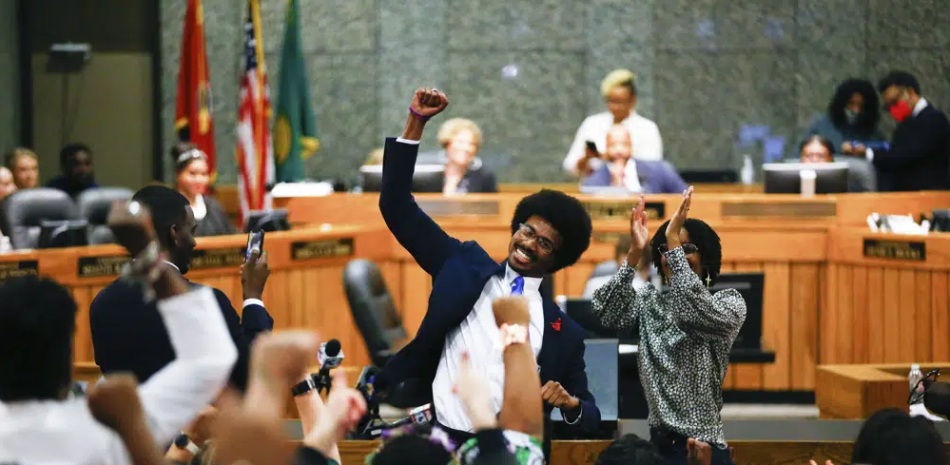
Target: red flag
point(194, 120)
point(255, 153)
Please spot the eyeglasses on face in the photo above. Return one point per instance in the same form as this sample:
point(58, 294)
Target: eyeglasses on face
point(529, 233)
point(688, 248)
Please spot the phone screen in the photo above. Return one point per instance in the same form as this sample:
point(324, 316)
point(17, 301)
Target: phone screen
point(255, 239)
point(592, 146)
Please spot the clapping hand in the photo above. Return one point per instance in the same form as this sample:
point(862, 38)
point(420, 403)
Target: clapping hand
point(639, 234)
point(678, 219)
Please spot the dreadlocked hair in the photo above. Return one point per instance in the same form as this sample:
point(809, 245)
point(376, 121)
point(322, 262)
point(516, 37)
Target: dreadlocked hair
point(702, 236)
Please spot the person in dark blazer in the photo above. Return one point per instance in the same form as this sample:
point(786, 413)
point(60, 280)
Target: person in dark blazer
point(127, 332)
point(193, 179)
point(550, 230)
point(918, 156)
point(464, 172)
point(621, 170)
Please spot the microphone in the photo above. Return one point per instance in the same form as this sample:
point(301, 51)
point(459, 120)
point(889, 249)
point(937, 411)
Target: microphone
point(330, 355)
point(421, 415)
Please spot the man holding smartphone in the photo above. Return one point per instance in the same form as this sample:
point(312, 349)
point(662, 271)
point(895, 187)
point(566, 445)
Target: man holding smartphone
point(127, 331)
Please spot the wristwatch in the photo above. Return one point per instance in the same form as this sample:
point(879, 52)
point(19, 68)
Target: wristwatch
point(304, 386)
point(184, 442)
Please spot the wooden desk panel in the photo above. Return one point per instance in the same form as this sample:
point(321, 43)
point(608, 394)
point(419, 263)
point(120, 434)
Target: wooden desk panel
point(855, 392)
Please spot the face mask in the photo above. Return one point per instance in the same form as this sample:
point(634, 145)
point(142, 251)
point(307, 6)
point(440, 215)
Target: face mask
point(900, 111)
point(851, 116)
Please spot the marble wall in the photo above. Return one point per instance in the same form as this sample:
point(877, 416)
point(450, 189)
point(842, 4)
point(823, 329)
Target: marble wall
point(528, 72)
point(9, 76)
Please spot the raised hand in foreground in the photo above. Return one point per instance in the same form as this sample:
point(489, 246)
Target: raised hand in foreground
point(115, 403)
point(639, 253)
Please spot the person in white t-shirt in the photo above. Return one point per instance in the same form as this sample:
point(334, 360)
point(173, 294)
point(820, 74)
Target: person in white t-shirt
point(620, 94)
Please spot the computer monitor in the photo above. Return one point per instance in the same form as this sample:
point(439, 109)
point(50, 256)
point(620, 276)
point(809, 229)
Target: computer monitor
point(752, 288)
point(785, 178)
point(58, 234)
point(941, 221)
point(267, 221)
point(581, 311)
point(425, 178)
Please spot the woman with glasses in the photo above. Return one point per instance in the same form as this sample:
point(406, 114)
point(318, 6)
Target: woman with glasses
point(686, 334)
point(192, 179)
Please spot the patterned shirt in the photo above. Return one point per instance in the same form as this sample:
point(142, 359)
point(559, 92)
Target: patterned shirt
point(685, 339)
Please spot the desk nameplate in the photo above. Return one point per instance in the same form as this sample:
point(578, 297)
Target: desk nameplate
point(450, 207)
point(217, 258)
point(330, 248)
point(895, 250)
point(621, 210)
point(18, 269)
point(810, 210)
point(99, 266)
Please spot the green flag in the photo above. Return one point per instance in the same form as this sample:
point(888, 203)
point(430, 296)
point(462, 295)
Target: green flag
point(295, 128)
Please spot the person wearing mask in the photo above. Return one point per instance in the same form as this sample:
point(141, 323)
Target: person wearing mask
point(41, 424)
point(25, 167)
point(620, 94)
point(75, 161)
point(192, 179)
point(852, 118)
point(7, 184)
point(918, 157)
point(620, 169)
point(127, 334)
point(464, 172)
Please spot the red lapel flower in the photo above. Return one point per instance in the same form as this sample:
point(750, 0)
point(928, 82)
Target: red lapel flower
point(557, 325)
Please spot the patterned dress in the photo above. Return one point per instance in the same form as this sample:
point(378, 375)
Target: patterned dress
point(685, 339)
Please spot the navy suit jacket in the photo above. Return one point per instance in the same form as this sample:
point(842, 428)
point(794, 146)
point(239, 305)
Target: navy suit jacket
point(460, 271)
point(129, 335)
point(656, 177)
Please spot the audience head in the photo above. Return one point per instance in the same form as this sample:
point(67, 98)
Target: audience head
point(7, 186)
point(629, 450)
point(25, 167)
point(192, 174)
point(549, 231)
point(892, 437)
point(415, 445)
point(816, 149)
point(620, 93)
point(900, 92)
point(461, 139)
point(855, 104)
point(619, 144)
point(37, 322)
point(173, 220)
point(75, 160)
point(375, 157)
point(704, 252)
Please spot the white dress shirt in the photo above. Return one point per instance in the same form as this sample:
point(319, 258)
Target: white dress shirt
point(65, 432)
point(479, 336)
point(647, 144)
point(921, 104)
point(200, 209)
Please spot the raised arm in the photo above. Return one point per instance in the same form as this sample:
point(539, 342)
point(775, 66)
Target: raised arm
point(414, 230)
point(614, 302)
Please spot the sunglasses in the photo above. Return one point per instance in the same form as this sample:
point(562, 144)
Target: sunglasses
point(688, 248)
point(920, 389)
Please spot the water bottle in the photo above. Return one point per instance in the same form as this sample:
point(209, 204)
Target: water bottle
point(748, 171)
point(914, 377)
point(5, 246)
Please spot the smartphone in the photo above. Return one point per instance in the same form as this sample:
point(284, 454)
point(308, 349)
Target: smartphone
point(592, 146)
point(255, 239)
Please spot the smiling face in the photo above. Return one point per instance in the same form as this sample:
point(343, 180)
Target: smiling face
point(193, 180)
point(461, 149)
point(532, 247)
point(26, 171)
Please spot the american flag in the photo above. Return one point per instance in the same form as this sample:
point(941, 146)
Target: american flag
point(255, 153)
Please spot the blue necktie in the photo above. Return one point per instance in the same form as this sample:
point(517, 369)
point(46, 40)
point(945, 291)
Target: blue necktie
point(517, 286)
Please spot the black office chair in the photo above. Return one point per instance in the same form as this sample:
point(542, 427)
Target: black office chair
point(373, 310)
point(23, 212)
point(94, 205)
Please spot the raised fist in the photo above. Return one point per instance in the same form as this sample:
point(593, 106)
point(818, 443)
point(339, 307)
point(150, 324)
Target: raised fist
point(131, 224)
point(511, 310)
point(428, 102)
point(114, 402)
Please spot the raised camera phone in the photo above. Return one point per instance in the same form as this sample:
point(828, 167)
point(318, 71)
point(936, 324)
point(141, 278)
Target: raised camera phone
point(255, 239)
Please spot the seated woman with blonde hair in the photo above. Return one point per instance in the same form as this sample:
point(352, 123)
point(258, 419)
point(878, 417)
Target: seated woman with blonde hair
point(464, 172)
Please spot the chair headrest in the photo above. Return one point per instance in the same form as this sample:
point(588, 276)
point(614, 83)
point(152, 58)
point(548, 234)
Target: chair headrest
point(94, 204)
point(29, 207)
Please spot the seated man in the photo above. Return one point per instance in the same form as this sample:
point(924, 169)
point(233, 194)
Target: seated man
point(75, 161)
point(621, 170)
point(40, 424)
point(817, 149)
